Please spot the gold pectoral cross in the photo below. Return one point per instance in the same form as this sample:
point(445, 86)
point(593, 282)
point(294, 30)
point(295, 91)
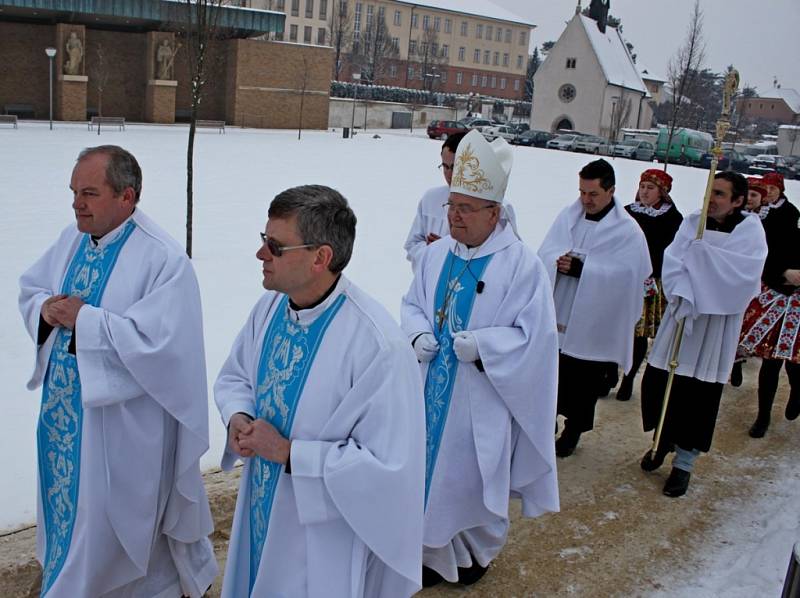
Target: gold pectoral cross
point(440, 317)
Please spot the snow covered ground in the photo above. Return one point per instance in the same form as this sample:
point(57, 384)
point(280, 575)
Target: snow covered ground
point(236, 175)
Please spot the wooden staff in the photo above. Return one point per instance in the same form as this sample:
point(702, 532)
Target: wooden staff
point(723, 124)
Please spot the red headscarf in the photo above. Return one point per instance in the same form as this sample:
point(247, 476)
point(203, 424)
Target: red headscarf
point(775, 179)
point(660, 179)
point(756, 184)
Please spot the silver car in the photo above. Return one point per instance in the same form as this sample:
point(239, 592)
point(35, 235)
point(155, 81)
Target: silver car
point(591, 145)
point(635, 149)
point(563, 142)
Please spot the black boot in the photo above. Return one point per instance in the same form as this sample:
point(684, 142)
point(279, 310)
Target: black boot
point(793, 406)
point(677, 483)
point(469, 575)
point(566, 443)
point(626, 388)
point(736, 374)
point(759, 427)
point(767, 387)
point(430, 577)
point(651, 462)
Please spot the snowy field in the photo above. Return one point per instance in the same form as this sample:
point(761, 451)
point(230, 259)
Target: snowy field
point(236, 175)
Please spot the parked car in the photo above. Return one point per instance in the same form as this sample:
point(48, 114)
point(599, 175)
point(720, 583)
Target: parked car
point(478, 123)
point(533, 138)
point(520, 128)
point(442, 129)
point(492, 133)
point(635, 149)
point(591, 145)
point(730, 160)
point(762, 164)
point(563, 142)
point(687, 146)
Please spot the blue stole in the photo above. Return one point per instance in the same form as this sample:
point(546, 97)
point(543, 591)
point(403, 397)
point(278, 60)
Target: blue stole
point(60, 420)
point(287, 354)
point(455, 295)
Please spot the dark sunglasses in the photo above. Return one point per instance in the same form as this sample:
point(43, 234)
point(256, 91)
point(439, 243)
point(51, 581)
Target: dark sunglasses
point(277, 250)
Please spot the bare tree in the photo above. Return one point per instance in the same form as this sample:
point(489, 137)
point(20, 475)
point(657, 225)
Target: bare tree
point(99, 73)
point(200, 30)
point(340, 29)
point(620, 115)
point(375, 52)
point(683, 70)
point(302, 84)
point(429, 57)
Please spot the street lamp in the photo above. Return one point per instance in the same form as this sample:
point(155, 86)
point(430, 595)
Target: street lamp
point(51, 53)
point(356, 78)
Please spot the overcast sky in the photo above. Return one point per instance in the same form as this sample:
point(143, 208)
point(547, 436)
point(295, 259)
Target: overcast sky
point(761, 38)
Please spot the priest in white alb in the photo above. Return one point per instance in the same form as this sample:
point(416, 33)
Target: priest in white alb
point(323, 403)
point(598, 260)
point(709, 283)
point(113, 307)
point(480, 317)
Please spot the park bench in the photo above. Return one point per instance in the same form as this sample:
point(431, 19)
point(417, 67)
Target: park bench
point(211, 124)
point(10, 119)
point(19, 110)
point(116, 121)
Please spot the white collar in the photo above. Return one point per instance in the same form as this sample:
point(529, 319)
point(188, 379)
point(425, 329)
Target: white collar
point(306, 316)
point(762, 213)
point(638, 207)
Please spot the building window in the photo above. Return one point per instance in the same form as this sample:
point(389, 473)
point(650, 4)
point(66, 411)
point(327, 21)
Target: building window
point(461, 51)
point(448, 26)
point(426, 22)
point(445, 51)
point(307, 31)
point(321, 36)
point(393, 71)
point(295, 8)
point(412, 46)
point(487, 56)
point(356, 41)
point(444, 76)
point(508, 36)
point(474, 80)
point(566, 93)
point(502, 82)
point(479, 31)
point(381, 13)
point(519, 62)
point(484, 81)
point(499, 36)
point(494, 82)
point(516, 84)
point(571, 62)
point(489, 32)
point(437, 23)
point(459, 78)
point(309, 9)
point(410, 72)
point(522, 38)
point(323, 10)
point(477, 57)
point(292, 33)
point(414, 21)
point(464, 27)
point(496, 60)
point(505, 59)
point(357, 18)
point(395, 44)
point(370, 10)
point(398, 18)
point(423, 49)
point(281, 5)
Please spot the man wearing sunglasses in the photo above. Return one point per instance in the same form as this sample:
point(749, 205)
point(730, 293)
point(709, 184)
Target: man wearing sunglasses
point(430, 224)
point(480, 317)
point(323, 403)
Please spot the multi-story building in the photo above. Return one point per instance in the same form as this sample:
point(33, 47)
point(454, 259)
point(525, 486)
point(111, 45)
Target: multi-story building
point(454, 46)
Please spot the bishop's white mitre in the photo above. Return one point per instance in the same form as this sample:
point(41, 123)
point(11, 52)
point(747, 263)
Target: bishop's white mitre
point(481, 169)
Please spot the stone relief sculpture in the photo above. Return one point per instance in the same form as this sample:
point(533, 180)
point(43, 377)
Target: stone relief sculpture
point(72, 66)
point(165, 60)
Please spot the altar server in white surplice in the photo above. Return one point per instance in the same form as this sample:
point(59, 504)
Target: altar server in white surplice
point(480, 316)
point(710, 283)
point(323, 402)
point(598, 260)
point(114, 309)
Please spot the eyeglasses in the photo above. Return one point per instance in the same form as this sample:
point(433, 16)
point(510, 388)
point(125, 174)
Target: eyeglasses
point(464, 208)
point(445, 167)
point(277, 250)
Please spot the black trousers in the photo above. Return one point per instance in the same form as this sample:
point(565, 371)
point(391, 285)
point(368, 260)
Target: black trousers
point(579, 382)
point(768, 377)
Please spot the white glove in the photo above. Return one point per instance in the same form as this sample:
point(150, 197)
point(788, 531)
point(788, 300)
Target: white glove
point(426, 347)
point(465, 346)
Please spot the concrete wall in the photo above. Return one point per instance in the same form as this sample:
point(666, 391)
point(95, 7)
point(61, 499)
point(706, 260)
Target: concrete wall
point(379, 114)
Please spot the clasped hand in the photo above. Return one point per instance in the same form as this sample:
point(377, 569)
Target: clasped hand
point(248, 438)
point(62, 310)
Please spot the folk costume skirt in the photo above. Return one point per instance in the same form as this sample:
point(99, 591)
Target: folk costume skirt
point(770, 326)
point(655, 303)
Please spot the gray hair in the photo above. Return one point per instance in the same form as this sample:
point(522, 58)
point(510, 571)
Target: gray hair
point(323, 218)
point(122, 171)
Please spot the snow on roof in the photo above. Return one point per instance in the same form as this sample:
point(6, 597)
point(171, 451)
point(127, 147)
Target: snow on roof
point(790, 96)
point(651, 75)
point(615, 60)
point(478, 8)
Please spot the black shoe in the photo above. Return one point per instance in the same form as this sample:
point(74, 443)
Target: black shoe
point(625, 389)
point(566, 443)
point(677, 483)
point(759, 428)
point(736, 374)
point(469, 575)
point(651, 462)
point(793, 406)
point(430, 577)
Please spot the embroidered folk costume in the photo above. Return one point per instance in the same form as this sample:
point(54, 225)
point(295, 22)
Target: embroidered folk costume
point(659, 223)
point(343, 517)
point(122, 506)
point(597, 305)
point(772, 320)
point(482, 322)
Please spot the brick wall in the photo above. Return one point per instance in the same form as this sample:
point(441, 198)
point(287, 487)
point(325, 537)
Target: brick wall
point(23, 69)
